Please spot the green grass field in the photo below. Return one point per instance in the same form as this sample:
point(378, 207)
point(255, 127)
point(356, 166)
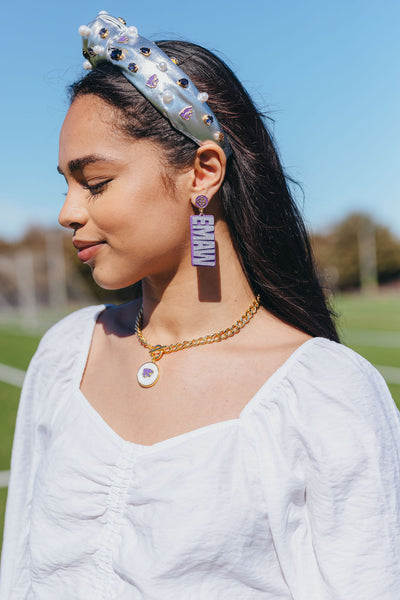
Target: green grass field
point(16, 351)
point(366, 324)
point(371, 326)
point(381, 313)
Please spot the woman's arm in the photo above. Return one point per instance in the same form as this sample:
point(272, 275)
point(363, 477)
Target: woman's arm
point(27, 449)
point(353, 490)
point(330, 467)
point(50, 367)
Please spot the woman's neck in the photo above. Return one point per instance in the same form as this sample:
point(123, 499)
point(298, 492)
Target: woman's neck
point(196, 301)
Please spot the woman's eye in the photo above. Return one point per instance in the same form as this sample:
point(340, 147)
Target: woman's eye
point(96, 190)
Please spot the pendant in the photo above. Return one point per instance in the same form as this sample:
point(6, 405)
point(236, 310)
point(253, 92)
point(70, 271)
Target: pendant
point(148, 374)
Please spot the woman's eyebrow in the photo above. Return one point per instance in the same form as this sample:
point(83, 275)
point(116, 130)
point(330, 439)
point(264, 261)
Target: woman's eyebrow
point(79, 163)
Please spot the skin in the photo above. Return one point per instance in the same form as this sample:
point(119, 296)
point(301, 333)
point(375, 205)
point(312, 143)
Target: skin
point(142, 226)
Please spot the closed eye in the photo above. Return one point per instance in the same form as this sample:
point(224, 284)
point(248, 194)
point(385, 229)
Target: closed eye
point(96, 190)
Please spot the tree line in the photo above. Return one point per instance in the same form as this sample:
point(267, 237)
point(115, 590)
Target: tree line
point(343, 252)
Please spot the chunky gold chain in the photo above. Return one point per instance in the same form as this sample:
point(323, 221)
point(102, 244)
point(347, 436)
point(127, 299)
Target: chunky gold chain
point(156, 352)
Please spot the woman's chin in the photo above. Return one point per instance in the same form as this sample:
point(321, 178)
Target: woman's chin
point(110, 282)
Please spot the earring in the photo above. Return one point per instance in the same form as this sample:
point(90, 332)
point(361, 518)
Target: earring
point(202, 236)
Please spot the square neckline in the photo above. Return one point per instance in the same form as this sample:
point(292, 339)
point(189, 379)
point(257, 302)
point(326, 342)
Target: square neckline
point(82, 357)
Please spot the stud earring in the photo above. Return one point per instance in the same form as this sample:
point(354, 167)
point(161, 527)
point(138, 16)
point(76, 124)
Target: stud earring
point(202, 236)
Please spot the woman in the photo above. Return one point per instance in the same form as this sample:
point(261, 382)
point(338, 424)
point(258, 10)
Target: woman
point(258, 459)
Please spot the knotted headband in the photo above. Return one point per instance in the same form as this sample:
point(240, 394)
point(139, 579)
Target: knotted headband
point(154, 74)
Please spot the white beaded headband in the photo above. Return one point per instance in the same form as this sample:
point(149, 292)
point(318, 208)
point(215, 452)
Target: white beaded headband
point(154, 74)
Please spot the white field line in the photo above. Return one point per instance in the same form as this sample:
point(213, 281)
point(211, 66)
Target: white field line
point(11, 375)
point(390, 374)
point(4, 478)
point(380, 339)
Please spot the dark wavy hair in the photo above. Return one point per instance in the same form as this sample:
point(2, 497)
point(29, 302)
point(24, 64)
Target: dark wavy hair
point(265, 225)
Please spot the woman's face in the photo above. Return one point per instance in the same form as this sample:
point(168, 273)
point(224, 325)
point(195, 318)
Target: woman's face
point(127, 222)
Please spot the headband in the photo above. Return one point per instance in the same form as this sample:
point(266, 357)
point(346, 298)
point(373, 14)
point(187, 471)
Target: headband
point(154, 74)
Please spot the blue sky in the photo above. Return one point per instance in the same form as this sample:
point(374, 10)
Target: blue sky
point(327, 72)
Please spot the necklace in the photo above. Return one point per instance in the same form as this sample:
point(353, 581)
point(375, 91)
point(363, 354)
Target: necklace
point(149, 372)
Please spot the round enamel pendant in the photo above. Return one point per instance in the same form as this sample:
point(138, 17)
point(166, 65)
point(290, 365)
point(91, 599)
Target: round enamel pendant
point(148, 374)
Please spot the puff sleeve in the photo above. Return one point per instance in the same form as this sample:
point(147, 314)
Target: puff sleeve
point(30, 441)
point(330, 468)
point(27, 451)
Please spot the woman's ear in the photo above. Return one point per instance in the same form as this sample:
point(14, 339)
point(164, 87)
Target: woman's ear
point(208, 170)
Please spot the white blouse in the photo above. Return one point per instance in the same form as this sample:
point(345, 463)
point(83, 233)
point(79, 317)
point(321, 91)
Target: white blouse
point(297, 499)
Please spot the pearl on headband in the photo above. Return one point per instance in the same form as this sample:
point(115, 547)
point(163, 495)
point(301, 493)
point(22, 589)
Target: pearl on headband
point(154, 74)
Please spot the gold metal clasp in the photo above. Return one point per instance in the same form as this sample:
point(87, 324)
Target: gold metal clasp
point(157, 351)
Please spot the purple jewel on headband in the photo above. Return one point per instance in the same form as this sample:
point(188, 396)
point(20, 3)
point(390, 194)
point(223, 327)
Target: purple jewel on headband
point(124, 39)
point(183, 82)
point(147, 372)
point(186, 113)
point(117, 54)
point(152, 81)
point(88, 53)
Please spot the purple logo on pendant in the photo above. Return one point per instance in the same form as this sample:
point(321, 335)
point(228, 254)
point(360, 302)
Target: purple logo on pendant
point(152, 81)
point(147, 372)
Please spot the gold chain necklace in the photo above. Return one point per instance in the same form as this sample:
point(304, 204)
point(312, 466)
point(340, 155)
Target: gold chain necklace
point(149, 372)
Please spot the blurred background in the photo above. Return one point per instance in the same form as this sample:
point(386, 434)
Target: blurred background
point(325, 74)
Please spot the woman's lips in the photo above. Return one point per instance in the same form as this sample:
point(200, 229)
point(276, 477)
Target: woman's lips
point(86, 250)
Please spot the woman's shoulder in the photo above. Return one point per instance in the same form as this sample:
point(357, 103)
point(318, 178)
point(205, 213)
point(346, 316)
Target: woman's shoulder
point(330, 373)
point(322, 385)
point(56, 354)
point(325, 365)
point(322, 351)
point(335, 369)
point(341, 396)
point(71, 327)
point(326, 404)
point(65, 339)
point(69, 335)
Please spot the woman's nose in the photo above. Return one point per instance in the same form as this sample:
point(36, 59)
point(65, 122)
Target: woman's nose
point(73, 214)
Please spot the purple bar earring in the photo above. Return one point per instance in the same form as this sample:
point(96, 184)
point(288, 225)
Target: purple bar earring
point(202, 236)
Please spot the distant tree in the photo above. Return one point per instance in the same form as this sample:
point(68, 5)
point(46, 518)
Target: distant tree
point(337, 252)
